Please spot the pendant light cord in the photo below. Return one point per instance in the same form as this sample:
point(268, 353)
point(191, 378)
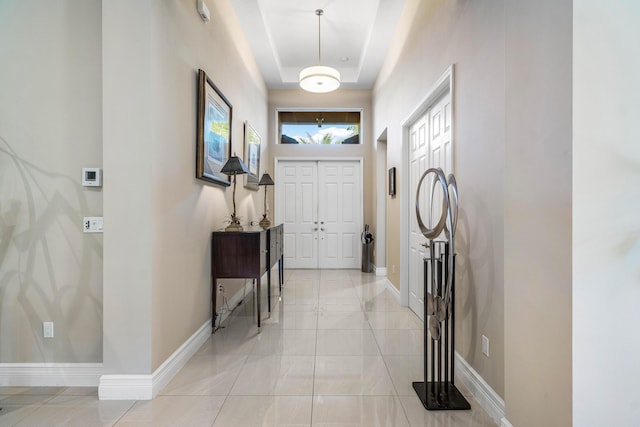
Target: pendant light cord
point(319, 12)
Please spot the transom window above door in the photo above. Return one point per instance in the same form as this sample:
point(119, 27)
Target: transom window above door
point(319, 127)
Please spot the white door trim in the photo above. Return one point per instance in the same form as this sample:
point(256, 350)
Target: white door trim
point(279, 159)
point(407, 207)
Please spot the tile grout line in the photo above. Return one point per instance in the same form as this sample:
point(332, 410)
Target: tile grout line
point(315, 356)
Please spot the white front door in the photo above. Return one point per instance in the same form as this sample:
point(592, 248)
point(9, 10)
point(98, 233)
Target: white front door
point(297, 207)
point(430, 146)
point(338, 211)
point(320, 205)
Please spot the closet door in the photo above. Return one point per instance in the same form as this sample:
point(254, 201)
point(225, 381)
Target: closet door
point(430, 146)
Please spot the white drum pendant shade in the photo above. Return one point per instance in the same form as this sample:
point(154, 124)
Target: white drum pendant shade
point(319, 79)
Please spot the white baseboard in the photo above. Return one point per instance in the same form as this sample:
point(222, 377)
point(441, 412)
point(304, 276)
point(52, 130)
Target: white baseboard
point(380, 271)
point(482, 392)
point(125, 387)
point(393, 290)
point(505, 423)
point(50, 374)
point(146, 387)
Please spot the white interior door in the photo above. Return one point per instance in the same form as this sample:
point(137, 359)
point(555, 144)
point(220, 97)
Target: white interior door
point(320, 205)
point(418, 161)
point(430, 146)
point(338, 213)
point(296, 208)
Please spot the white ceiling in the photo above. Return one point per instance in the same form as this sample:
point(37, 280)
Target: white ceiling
point(283, 35)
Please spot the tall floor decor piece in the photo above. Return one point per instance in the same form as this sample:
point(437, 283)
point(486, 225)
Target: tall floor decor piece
point(438, 391)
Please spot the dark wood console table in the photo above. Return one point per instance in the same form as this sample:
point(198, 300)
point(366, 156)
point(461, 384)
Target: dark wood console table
point(246, 254)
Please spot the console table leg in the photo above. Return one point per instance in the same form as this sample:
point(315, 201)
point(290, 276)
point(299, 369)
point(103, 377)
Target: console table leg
point(258, 301)
point(269, 289)
point(213, 303)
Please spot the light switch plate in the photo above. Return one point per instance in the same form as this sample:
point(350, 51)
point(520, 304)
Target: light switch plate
point(47, 329)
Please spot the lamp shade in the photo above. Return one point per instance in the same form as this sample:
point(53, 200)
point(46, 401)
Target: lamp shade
point(266, 179)
point(319, 79)
point(234, 165)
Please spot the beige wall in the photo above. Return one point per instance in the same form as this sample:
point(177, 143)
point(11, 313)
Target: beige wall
point(157, 288)
point(606, 213)
point(470, 35)
point(512, 156)
point(50, 127)
point(356, 99)
point(538, 213)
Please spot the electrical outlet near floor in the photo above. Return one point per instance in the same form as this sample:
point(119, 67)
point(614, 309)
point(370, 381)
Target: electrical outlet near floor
point(220, 288)
point(485, 346)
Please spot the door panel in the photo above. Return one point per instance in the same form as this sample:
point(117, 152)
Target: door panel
point(419, 133)
point(339, 211)
point(430, 146)
point(296, 207)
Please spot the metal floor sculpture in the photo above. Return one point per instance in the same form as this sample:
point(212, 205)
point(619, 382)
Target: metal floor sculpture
point(438, 391)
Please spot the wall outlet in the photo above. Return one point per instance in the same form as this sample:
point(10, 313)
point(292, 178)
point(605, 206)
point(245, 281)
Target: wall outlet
point(92, 224)
point(47, 329)
point(485, 346)
point(220, 288)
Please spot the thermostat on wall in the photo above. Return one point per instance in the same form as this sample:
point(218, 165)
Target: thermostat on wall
point(91, 177)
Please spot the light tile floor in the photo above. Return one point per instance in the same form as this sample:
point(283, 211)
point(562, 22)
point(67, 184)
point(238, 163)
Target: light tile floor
point(338, 350)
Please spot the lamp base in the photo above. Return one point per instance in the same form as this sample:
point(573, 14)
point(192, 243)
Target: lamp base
point(265, 222)
point(234, 224)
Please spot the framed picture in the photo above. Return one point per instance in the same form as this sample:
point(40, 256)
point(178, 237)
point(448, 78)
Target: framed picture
point(213, 135)
point(392, 182)
point(251, 156)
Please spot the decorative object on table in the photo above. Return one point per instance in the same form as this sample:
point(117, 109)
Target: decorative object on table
point(392, 182)
point(265, 181)
point(213, 133)
point(319, 78)
point(234, 167)
point(438, 391)
point(251, 156)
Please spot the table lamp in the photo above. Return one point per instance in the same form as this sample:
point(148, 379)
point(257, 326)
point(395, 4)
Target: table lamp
point(234, 166)
point(265, 181)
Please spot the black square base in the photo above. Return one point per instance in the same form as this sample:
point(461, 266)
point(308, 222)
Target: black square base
point(440, 396)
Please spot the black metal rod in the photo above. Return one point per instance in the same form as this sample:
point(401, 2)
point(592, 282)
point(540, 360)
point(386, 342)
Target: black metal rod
point(426, 329)
point(439, 264)
point(432, 248)
point(446, 322)
point(453, 318)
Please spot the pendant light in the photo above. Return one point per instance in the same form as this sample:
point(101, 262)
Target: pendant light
point(318, 78)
